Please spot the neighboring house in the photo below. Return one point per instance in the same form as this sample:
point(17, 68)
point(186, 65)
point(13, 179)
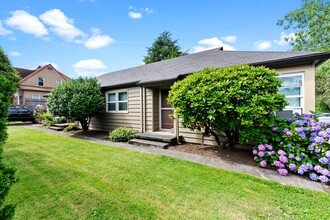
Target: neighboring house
point(137, 97)
point(36, 84)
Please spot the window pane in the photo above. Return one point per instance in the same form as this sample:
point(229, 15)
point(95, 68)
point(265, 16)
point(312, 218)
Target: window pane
point(290, 91)
point(288, 81)
point(122, 106)
point(40, 81)
point(111, 107)
point(112, 97)
point(294, 102)
point(122, 96)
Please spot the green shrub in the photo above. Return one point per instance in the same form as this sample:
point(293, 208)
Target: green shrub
point(238, 101)
point(46, 116)
point(72, 127)
point(121, 134)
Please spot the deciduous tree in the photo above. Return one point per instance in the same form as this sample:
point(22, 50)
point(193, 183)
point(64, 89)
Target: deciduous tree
point(78, 99)
point(310, 25)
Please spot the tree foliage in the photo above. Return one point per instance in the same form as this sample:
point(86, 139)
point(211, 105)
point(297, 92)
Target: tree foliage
point(310, 24)
point(322, 90)
point(78, 99)
point(8, 82)
point(163, 48)
point(238, 101)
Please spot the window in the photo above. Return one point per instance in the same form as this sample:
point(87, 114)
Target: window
point(292, 88)
point(116, 102)
point(58, 82)
point(41, 81)
point(36, 97)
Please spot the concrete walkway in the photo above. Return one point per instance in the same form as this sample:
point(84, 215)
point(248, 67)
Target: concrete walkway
point(267, 174)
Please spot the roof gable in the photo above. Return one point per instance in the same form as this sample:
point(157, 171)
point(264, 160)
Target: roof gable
point(172, 69)
point(34, 72)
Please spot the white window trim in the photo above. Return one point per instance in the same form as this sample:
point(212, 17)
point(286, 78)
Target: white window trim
point(58, 80)
point(43, 81)
point(37, 98)
point(116, 92)
point(302, 98)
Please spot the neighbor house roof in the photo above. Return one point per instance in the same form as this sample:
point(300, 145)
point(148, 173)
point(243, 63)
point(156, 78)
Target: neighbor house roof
point(172, 69)
point(26, 73)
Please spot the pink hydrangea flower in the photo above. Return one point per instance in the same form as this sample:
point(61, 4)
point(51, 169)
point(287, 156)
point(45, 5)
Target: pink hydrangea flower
point(254, 152)
point(283, 159)
point(283, 172)
point(261, 147)
point(281, 152)
point(261, 154)
point(269, 147)
point(263, 163)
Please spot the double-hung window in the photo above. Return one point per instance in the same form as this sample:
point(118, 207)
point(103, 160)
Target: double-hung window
point(58, 82)
point(117, 102)
point(292, 88)
point(41, 81)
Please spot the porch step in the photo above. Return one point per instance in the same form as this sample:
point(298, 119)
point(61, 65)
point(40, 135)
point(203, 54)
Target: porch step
point(62, 125)
point(56, 128)
point(158, 137)
point(147, 143)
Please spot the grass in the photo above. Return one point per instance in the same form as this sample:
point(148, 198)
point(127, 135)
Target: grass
point(66, 178)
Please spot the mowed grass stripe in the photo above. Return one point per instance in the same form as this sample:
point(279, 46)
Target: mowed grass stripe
point(66, 178)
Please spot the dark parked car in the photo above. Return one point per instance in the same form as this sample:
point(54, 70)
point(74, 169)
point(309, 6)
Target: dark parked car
point(20, 113)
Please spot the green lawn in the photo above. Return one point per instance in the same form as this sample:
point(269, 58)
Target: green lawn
point(66, 178)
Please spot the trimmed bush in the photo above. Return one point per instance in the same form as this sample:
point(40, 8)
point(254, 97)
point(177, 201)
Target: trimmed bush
point(300, 145)
point(238, 101)
point(121, 134)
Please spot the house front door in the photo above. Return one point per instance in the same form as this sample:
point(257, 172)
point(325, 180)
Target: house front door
point(165, 110)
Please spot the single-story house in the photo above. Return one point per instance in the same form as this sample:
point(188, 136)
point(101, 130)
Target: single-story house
point(137, 97)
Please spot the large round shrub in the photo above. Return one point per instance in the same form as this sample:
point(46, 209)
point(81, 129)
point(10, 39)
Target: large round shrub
point(238, 101)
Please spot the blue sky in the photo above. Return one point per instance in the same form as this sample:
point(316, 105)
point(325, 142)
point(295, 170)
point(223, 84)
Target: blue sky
point(90, 37)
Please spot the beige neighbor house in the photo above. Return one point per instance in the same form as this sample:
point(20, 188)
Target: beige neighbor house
point(36, 84)
point(136, 97)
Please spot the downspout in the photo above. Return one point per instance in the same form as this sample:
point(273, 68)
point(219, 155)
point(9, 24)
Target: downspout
point(145, 108)
point(141, 108)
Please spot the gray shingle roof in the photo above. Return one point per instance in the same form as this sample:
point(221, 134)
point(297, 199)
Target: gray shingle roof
point(173, 68)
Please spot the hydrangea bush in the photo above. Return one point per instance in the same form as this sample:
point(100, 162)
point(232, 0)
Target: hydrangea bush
point(301, 145)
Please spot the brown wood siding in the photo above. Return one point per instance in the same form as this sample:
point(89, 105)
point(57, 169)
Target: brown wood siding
point(149, 109)
point(108, 121)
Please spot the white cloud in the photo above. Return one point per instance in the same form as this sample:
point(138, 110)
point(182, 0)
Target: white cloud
point(15, 53)
point(230, 39)
point(211, 43)
point(3, 30)
point(262, 45)
point(98, 41)
point(88, 67)
point(27, 23)
point(282, 42)
point(135, 15)
point(61, 25)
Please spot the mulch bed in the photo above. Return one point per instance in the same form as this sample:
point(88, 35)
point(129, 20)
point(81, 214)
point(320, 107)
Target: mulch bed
point(232, 155)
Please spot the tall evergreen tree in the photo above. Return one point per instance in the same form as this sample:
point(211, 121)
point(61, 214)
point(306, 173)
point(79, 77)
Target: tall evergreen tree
point(8, 82)
point(163, 48)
